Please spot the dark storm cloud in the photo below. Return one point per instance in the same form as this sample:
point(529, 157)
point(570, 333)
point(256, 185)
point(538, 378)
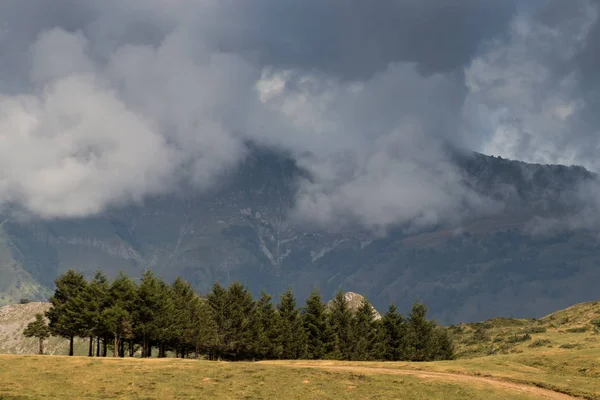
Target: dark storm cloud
point(107, 102)
point(354, 39)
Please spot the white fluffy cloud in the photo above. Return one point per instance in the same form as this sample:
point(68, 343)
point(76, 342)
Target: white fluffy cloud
point(525, 90)
point(106, 103)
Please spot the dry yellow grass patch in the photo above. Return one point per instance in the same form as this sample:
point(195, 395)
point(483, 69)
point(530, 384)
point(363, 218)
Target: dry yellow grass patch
point(52, 377)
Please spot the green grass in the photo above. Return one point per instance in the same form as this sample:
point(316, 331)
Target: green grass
point(560, 352)
point(52, 377)
point(571, 328)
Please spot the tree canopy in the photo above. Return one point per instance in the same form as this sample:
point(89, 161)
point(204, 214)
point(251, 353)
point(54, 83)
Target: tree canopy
point(229, 324)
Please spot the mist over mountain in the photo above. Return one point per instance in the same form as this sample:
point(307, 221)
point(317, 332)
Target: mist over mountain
point(512, 258)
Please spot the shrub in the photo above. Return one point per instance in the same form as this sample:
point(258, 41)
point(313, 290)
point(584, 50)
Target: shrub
point(578, 329)
point(540, 343)
point(23, 301)
point(481, 335)
point(569, 346)
point(519, 338)
point(535, 329)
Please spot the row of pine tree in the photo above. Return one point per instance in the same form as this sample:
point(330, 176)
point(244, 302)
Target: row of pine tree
point(128, 318)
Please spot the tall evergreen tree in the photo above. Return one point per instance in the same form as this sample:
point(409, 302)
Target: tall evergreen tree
point(293, 338)
point(340, 320)
point(165, 317)
point(421, 344)
point(185, 307)
point(147, 311)
point(38, 329)
point(217, 300)
point(365, 334)
point(240, 314)
point(267, 329)
point(124, 296)
point(95, 300)
point(394, 339)
point(318, 334)
point(204, 329)
point(117, 321)
point(67, 314)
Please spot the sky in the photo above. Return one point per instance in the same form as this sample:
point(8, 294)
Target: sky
point(105, 103)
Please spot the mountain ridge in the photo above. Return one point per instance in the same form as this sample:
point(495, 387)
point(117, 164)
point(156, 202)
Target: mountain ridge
point(490, 264)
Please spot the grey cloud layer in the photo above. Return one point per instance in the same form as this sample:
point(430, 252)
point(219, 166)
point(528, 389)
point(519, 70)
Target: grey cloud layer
point(104, 103)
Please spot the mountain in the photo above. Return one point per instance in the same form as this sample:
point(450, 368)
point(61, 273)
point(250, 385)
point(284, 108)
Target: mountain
point(494, 263)
point(13, 320)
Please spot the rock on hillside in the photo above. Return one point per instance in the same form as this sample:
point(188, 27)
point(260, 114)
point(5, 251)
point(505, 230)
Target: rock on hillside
point(354, 302)
point(13, 320)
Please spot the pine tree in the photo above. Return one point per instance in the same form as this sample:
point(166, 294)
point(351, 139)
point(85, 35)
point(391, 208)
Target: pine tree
point(364, 330)
point(38, 329)
point(240, 314)
point(95, 300)
point(147, 311)
point(117, 321)
point(123, 294)
point(316, 326)
point(165, 318)
point(340, 320)
point(217, 300)
point(293, 338)
point(184, 303)
point(266, 329)
point(421, 344)
point(67, 317)
point(394, 335)
point(203, 335)
point(444, 345)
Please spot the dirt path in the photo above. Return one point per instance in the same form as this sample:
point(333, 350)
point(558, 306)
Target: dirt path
point(469, 379)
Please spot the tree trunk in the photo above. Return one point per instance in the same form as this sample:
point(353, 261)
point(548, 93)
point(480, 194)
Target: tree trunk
point(116, 344)
point(70, 345)
point(41, 346)
point(149, 350)
point(104, 347)
point(122, 349)
point(91, 349)
point(131, 348)
point(144, 347)
point(98, 346)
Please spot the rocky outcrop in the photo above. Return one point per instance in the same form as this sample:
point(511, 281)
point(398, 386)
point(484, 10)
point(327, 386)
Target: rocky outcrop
point(355, 300)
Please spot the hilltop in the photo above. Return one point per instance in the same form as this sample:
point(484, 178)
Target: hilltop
point(576, 327)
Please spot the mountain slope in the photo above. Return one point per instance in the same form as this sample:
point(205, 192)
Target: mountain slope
point(490, 265)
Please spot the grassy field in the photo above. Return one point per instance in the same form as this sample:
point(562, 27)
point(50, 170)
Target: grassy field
point(558, 355)
point(54, 377)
